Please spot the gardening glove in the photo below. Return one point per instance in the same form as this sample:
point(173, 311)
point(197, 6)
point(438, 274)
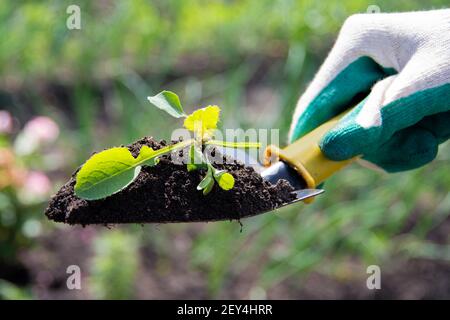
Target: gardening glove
point(402, 60)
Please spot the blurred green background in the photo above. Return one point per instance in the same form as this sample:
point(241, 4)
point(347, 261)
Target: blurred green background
point(254, 58)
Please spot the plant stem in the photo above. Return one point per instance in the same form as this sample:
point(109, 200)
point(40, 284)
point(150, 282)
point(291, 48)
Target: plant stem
point(228, 144)
point(165, 150)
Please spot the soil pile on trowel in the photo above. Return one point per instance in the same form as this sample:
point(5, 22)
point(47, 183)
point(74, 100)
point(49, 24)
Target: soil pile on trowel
point(167, 193)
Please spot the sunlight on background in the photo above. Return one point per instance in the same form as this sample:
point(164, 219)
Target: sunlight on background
point(66, 93)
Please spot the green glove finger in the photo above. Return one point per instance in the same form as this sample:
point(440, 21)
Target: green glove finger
point(349, 139)
point(407, 149)
point(358, 77)
point(438, 124)
point(415, 146)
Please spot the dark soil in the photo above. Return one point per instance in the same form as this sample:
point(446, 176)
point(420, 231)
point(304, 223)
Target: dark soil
point(167, 193)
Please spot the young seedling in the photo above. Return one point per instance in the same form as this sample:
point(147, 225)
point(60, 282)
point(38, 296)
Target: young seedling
point(112, 170)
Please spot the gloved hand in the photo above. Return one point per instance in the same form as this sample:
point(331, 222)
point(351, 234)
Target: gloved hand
point(403, 60)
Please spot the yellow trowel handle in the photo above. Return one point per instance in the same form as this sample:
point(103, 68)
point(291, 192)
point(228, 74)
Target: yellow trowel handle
point(305, 156)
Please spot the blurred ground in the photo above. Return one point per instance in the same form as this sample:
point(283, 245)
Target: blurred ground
point(67, 93)
point(405, 279)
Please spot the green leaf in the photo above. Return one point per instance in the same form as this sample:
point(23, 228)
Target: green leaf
point(208, 188)
point(112, 170)
point(225, 180)
point(169, 102)
point(106, 173)
point(227, 144)
point(208, 179)
point(149, 157)
point(207, 182)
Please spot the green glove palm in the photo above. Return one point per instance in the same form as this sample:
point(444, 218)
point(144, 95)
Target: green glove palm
point(403, 60)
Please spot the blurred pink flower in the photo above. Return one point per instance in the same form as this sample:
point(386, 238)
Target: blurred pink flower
point(36, 133)
point(42, 129)
point(36, 184)
point(6, 122)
